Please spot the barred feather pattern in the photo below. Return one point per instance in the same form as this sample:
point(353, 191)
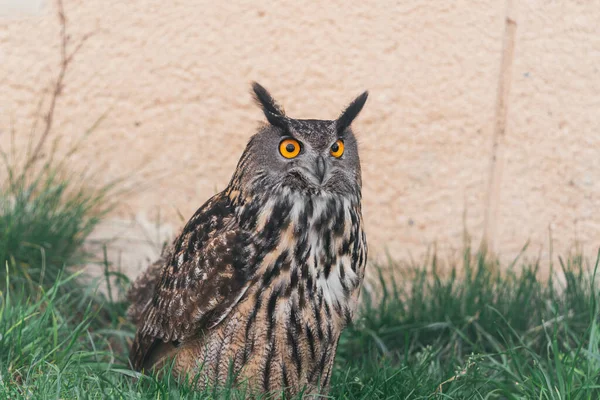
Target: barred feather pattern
point(262, 283)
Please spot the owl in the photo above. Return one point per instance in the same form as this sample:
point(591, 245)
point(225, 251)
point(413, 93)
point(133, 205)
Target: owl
point(265, 276)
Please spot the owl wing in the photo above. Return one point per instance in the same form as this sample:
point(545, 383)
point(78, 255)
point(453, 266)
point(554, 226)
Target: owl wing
point(142, 290)
point(206, 273)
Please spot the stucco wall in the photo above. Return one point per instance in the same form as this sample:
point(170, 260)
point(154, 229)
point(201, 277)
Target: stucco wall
point(174, 81)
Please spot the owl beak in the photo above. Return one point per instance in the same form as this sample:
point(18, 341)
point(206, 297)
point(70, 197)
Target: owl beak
point(320, 169)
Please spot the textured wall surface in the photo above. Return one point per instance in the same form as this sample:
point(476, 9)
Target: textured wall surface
point(173, 81)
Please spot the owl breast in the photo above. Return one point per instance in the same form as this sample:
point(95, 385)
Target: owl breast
point(284, 330)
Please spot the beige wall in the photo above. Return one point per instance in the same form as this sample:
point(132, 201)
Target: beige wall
point(174, 80)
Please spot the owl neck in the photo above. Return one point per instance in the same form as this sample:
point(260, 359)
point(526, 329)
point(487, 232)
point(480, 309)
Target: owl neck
point(280, 208)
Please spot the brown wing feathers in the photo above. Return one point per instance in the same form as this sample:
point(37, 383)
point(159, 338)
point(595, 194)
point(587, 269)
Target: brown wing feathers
point(203, 275)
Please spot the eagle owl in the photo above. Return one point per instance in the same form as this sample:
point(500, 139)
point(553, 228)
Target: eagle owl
point(266, 274)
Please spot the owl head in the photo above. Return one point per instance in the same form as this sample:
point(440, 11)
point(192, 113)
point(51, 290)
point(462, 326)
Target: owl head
point(305, 155)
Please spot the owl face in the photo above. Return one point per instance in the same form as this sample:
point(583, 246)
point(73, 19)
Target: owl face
point(308, 156)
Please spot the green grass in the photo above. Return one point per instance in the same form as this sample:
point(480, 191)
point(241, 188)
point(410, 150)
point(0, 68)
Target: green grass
point(490, 333)
point(473, 334)
point(480, 330)
point(45, 217)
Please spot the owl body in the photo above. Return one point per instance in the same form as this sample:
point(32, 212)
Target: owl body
point(265, 276)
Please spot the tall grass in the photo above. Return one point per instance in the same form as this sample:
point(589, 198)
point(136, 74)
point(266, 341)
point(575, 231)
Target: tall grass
point(45, 218)
point(484, 331)
point(479, 332)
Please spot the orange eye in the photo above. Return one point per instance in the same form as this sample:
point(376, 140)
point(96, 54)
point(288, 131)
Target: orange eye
point(337, 149)
point(289, 148)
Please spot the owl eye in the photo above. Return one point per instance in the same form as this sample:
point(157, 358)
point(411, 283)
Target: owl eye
point(289, 148)
point(337, 149)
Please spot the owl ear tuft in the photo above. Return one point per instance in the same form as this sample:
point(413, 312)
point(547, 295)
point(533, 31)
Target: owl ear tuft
point(273, 111)
point(351, 112)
